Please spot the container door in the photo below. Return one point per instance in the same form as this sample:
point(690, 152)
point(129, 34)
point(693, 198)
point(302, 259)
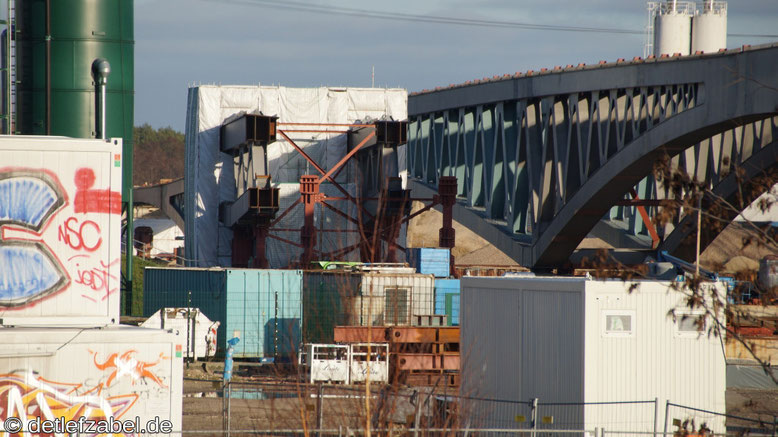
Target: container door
point(281, 313)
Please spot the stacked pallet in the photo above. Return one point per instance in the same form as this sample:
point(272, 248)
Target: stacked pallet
point(420, 356)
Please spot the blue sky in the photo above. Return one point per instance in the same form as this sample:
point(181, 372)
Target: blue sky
point(238, 42)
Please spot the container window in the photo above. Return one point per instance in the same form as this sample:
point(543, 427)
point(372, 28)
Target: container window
point(690, 324)
point(396, 306)
point(618, 323)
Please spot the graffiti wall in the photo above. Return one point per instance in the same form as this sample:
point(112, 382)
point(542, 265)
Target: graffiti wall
point(124, 374)
point(60, 225)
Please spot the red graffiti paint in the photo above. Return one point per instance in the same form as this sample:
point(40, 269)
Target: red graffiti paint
point(94, 200)
point(84, 235)
point(96, 278)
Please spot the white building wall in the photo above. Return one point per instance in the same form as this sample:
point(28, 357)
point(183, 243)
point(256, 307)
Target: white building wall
point(655, 361)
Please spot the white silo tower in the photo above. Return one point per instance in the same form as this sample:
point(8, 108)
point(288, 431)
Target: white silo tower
point(709, 27)
point(673, 27)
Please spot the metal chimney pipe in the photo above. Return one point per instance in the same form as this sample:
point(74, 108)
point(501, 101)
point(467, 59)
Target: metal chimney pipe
point(101, 68)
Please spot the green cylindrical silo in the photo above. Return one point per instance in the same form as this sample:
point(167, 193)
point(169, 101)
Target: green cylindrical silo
point(60, 40)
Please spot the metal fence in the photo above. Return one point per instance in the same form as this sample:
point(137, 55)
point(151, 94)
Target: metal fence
point(691, 418)
point(292, 407)
point(544, 417)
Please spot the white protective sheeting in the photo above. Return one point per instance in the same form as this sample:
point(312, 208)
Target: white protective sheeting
point(209, 173)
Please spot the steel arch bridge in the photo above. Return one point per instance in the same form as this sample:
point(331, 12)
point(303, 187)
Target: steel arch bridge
point(544, 158)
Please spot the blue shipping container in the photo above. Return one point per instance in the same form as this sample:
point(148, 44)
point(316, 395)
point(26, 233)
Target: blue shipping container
point(264, 306)
point(447, 299)
point(430, 261)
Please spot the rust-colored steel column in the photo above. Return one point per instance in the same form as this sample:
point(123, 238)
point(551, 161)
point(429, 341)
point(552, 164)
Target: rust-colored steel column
point(309, 194)
point(260, 237)
point(447, 192)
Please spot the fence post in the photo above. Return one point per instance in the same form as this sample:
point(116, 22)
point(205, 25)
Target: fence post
point(319, 410)
point(229, 411)
point(656, 414)
point(418, 414)
point(596, 432)
point(533, 415)
point(667, 415)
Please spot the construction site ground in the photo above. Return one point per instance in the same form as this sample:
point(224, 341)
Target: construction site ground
point(292, 406)
point(263, 399)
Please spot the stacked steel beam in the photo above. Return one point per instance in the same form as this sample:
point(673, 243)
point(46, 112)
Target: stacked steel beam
point(418, 355)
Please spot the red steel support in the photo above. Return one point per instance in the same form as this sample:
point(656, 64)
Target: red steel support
point(310, 195)
point(447, 190)
point(260, 237)
point(646, 220)
point(345, 159)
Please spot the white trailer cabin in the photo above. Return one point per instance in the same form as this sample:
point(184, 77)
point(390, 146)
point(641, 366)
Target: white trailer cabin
point(115, 372)
point(580, 341)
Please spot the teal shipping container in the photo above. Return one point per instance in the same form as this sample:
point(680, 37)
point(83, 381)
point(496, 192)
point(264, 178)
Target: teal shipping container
point(447, 299)
point(263, 307)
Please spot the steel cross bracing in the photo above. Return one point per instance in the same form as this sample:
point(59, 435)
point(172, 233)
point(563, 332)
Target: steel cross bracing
point(543, 158)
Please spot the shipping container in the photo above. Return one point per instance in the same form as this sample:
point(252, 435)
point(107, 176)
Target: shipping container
point(576, 341)
point(60, 214)
point(199, 331)
point(119, 372)
point(447, 299)
point(376, 296)
point(431, 261)
point(327, 295)
point(262, 307)
point(393, 299)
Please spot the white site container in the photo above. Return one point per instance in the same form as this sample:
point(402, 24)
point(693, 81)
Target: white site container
point(201, 332)
point(394, 298)
point(122, 372)
point(326, 362)
point(573, 340)
point(375, 364)
point(60, 231)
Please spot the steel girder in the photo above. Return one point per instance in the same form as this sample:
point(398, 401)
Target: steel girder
point(543, 158)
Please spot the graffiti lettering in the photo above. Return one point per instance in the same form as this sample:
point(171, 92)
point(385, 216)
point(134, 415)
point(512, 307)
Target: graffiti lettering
point(96, 278)
point(85, 235)
point(90, 200)
point(127, 365)
point(28, 397)
point(29, 272)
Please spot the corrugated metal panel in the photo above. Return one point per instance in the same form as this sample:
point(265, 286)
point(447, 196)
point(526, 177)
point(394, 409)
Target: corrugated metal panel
point(430, 261)
point(266, 307)
point(55, 361)
point(328, 301)
point(447, 299)
point(69, 191)
point(655, 361)
point(547, 338)
point(388, 299)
